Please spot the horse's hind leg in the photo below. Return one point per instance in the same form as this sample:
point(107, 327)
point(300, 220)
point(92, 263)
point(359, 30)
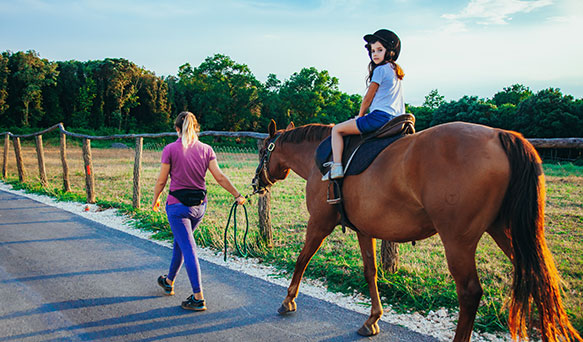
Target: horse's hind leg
point(315, 235)
point(368, 251)
point(498, 233)
point(462, 265)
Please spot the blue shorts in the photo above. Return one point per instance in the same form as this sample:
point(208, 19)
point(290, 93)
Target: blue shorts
point(373, 121)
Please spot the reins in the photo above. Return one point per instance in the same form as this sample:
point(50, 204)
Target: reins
point(233, 214)
point(261, 168)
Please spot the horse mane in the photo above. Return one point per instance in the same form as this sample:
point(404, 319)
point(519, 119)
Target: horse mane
point(309, 132)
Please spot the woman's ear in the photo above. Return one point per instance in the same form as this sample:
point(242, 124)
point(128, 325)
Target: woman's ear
point(271, 128)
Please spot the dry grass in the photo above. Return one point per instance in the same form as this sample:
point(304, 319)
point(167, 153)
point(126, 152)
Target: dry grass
point(425, 262)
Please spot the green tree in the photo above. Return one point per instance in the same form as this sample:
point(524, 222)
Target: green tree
point(306, 93)
point(271, 104)
point(222, 93)
point(124, 84)
point(423, 116)
point(30, 74)
point(4, 74)
point(549, 114)
point(153, 111)
point(177, 99)
point(433, 100)
point(340, 106)
point(468, 109)
point(81, 116)
point(512, 95)
point(506, 117)
point(424, 113)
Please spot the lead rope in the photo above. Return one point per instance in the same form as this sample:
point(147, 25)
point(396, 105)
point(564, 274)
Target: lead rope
point(233, 213)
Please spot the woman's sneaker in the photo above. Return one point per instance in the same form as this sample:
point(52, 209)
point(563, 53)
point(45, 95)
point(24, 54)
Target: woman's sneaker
point(193, 304)
point(168, 289)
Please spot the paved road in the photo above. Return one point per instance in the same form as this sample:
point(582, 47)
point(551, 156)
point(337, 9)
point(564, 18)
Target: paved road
point(66, 278)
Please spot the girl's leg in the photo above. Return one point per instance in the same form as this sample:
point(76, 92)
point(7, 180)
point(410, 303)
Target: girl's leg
point(345, 128)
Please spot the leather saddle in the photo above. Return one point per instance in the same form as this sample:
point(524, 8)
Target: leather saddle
point(361, 150)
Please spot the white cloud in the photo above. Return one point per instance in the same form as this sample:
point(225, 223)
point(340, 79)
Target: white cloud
point(497, 12)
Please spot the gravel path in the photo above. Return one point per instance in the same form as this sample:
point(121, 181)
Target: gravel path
point(439, 324)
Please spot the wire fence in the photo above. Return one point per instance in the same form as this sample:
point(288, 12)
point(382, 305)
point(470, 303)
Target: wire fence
point(124, 168)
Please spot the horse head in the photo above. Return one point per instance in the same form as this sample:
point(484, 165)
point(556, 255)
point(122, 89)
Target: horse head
point(270, 168)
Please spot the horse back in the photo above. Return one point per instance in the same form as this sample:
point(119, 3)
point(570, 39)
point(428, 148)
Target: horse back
point(422, 181)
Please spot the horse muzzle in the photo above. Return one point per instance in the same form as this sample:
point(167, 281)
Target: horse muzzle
point(259, 188)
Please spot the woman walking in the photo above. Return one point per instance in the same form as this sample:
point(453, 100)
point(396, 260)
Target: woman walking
point(186, 161)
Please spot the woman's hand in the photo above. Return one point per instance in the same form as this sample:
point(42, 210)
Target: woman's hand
point(156, 205)
point(240, 200)
point(160, 185)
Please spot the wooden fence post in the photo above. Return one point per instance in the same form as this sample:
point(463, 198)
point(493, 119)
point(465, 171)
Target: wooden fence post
point(5, 160)
point(89, 179)
point(389, 256)
point(19, 163)
point(137, 171)
point(66, 184)
point(264, 208)
point(40, 156)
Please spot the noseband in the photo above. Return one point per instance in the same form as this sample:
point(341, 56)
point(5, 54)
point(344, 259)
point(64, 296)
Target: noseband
point(263, 169)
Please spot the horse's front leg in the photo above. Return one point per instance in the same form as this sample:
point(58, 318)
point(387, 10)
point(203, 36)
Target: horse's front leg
point(315, 235)
point(368, 251)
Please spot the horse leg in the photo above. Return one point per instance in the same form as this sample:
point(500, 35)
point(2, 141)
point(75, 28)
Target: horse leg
point(315, 235)
point(462, 265)
point(368, 251)
point(498, 233)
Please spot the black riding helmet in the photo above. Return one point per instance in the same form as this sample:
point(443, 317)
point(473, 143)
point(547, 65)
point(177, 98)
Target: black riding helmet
point(388, 38)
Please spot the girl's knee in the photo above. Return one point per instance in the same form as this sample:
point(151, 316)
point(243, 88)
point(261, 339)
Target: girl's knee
point(338, 130)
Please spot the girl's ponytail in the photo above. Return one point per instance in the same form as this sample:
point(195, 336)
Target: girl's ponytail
point(188, 125)
point(398, 70)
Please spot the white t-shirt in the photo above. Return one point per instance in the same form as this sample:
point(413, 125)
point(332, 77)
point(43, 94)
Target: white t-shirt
point(389, 95)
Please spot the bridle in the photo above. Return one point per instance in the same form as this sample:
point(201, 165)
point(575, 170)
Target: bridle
point(263, 170)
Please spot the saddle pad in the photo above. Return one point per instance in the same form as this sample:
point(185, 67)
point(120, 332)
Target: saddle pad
point(362, 158)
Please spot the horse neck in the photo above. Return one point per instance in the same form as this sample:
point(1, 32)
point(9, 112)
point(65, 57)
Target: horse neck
point(300, 156)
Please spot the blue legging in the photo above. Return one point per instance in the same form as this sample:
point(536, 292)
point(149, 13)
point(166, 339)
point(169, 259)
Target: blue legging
point(183, 221)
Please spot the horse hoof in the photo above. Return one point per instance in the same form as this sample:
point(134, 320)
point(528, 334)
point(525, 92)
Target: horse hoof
point(283, 310)
point(366, 331)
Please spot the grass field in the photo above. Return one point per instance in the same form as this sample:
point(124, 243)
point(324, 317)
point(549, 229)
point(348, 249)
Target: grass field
point(423, 282)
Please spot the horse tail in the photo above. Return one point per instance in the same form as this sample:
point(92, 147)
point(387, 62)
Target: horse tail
point(535, 275)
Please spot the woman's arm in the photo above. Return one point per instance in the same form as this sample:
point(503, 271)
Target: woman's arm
point(224, 181)
point(367, 100)
point(160, 185)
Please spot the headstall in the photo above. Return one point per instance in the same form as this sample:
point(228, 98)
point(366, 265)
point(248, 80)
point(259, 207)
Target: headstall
point(263, 169)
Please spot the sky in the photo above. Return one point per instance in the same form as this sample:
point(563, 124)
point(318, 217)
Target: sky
point(459, 47)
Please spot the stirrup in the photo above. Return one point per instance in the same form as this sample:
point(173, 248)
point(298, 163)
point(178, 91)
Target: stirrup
point(336, 200)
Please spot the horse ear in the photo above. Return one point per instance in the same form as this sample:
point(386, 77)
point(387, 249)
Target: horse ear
point(291, 126)
point(271, 128)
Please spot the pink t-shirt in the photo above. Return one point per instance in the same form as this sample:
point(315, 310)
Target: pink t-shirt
point(187, 167)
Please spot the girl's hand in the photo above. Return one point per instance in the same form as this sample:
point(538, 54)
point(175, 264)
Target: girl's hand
point(156, 205)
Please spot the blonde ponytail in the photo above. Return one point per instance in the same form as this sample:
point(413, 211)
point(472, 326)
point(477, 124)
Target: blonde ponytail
point(188, 125)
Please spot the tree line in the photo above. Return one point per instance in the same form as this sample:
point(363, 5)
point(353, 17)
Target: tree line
point(116, 95)
point(546, 114)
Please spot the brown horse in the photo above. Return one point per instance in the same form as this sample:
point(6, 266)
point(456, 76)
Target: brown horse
point(457, 180)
